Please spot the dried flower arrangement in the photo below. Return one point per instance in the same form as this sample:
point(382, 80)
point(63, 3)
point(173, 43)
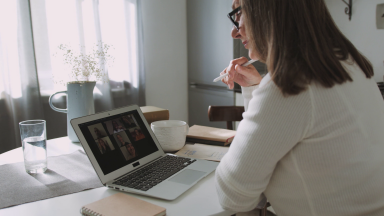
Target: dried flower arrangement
point(84, 66)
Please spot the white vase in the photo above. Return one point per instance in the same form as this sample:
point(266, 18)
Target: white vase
point(79, 103)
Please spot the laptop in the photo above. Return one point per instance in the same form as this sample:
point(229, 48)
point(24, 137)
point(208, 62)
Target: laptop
point(126, 155)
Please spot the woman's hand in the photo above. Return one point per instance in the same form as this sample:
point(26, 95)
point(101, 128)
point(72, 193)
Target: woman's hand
point(244, 76)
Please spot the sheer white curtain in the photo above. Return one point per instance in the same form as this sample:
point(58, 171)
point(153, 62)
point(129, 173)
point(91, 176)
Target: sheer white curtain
point(19, 89)
point(31, 31)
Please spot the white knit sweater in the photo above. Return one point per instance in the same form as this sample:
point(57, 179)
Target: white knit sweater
point(317, 153)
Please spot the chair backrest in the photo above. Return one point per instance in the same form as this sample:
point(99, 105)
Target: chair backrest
point(226, 113)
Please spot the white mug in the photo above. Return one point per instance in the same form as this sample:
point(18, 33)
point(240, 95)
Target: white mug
point(171, 134)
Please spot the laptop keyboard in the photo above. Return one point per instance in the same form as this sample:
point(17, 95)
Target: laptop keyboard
point(153, 174)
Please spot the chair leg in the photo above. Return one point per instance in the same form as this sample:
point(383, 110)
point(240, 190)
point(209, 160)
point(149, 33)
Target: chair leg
point(263, 212)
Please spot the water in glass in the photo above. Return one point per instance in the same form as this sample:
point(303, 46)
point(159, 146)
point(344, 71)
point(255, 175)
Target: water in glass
point(35, 154)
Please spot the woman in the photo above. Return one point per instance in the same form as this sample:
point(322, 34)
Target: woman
point(138, 135)
point(129, 121)
point(311, 139)
point(128, 146)
point(131, 150)
point(98, 133)
point(103, 146)
point(121, 140)
point(116, 127)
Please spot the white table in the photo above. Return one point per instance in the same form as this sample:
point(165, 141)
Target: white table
point(200, 200)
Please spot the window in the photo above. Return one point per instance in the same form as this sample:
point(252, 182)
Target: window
point(9, 49)
point(82, 23)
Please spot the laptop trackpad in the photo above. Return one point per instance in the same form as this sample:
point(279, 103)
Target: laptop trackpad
point(187, 176)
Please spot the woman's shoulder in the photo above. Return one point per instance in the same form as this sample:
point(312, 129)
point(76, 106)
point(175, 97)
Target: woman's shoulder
point(270, 91)
point(268, 99)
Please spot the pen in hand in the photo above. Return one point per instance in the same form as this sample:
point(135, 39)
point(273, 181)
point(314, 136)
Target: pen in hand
point(226, 74)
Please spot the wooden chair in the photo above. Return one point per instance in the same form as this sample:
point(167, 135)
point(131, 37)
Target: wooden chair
point(231, 114)
point(226, 113)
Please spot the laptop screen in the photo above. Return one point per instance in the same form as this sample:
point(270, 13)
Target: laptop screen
point(118, 140)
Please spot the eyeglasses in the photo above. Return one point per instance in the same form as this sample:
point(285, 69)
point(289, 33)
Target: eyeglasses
point(235, 15)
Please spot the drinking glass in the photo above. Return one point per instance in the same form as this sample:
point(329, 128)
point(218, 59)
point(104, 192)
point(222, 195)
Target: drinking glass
point(34, 138)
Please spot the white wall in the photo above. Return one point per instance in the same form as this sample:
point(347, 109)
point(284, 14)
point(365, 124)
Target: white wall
point(165, 46)
point(361, 30)
point(165, 52)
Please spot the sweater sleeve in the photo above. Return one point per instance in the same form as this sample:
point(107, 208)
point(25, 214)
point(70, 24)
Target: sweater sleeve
point(265, 135)
point(247, 94)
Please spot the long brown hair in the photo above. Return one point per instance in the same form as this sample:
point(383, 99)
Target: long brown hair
point(300, 43)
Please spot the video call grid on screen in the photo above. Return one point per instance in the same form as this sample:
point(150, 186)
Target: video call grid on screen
point(118, 140)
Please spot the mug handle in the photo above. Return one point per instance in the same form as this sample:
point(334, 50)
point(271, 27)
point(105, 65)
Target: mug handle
point(55, 108)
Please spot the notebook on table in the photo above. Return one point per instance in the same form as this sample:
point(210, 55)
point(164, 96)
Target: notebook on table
point(126, 155)
point(120, 205)
point(210, 135)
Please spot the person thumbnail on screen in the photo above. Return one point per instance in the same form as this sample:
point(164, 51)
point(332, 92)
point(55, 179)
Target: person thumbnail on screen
point(122, 139)
point(104, 145)
point(131, 150)
point(97, 131)
point(114, 126)
point(125, 145)
point(129, 121)
point(137, 134)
